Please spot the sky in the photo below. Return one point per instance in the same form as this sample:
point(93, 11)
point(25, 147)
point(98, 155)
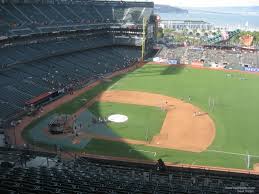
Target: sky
point(208, 3)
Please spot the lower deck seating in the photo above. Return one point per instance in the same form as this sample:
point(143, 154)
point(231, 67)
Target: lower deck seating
point(88, 175)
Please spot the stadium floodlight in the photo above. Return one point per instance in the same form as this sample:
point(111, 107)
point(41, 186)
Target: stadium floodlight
point(143, 39)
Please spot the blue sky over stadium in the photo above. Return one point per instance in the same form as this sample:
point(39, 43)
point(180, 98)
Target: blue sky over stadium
point(208, 3)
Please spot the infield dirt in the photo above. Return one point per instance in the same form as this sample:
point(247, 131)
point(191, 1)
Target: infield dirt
point(185, 127)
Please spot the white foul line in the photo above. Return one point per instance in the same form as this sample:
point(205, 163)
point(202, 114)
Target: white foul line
point(143, 151)
point(232, 153)
point(113, 85)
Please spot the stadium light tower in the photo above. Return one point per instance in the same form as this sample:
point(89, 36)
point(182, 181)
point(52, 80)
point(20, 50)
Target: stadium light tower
point(143, 39)
point(257, 60)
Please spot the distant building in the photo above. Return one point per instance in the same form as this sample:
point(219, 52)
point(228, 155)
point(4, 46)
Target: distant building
point(185, 24)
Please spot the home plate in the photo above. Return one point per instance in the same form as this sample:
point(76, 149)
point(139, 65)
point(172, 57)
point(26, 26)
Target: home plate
point(118, 118)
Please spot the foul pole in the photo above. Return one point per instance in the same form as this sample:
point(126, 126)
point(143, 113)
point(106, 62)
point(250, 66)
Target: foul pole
point(248, 160)
point(143, 39)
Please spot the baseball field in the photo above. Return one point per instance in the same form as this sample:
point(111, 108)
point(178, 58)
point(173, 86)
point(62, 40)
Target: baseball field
point(182, 115)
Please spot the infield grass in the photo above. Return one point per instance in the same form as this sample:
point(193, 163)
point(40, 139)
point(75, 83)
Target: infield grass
point(143, 121)
point(236, 100)
point(236, 113)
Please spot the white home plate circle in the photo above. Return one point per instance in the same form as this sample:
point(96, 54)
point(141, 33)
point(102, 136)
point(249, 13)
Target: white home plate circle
point(117, 118)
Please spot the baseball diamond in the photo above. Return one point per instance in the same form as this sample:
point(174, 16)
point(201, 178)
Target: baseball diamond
point(129, 97)
point(176, 99)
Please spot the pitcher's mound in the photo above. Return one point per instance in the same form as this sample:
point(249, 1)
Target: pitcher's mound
point(118, 118)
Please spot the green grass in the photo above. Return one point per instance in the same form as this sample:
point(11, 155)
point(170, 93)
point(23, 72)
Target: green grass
point(68, 108)
point(75, 104)
point(142, 120)
point(235, 114)
point(119, 149)
point(236, 101)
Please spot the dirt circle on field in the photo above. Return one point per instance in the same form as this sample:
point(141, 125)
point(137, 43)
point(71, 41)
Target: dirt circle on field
point(186, 127)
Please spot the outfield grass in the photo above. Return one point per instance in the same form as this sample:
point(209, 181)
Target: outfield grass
point(143, 121)
point(236, 101)
point(235, 114)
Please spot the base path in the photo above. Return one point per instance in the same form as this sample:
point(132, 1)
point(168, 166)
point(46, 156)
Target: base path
point(185, 127)
point(256, 167)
